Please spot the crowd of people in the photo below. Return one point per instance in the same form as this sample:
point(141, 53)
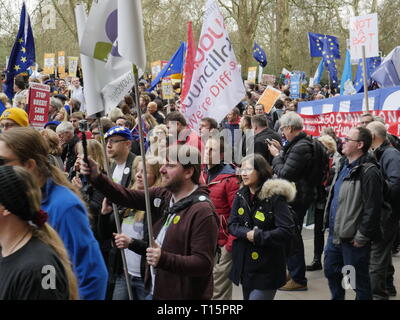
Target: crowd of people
point(225, 208)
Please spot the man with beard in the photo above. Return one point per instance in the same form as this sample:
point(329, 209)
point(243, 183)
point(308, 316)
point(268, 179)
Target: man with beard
point(185, 225)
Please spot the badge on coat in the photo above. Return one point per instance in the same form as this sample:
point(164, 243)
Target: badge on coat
point(127, 170)
point(254, 255)
point(240, 211)
point(157, 202)
point(260, 216)
point(177, 219)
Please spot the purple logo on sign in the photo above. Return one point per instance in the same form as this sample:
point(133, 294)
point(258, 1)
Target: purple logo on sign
point(112, 31)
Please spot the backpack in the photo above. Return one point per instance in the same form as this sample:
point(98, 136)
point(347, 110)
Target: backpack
point(319, 164)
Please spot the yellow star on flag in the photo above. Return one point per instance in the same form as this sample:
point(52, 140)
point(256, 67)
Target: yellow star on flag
point(21, 40)
point(23, 59)
point(17, 67)
point(23, 49)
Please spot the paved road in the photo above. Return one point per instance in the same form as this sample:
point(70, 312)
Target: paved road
point(317, 283)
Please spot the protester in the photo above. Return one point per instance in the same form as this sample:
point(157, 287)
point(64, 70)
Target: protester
point(262, 223)
point(207, 125)
point(28, 243)
point(152, 109)
point(20, 91)
point(294, 164)
point(55, 149)
point(223, 184)
point(68, 141)
point(77, 94)
point(353, 213)
point(54, 107)
point(134, 234)
point(25, 147)
point(13, 118)
point(381, 267)
point(186, 235)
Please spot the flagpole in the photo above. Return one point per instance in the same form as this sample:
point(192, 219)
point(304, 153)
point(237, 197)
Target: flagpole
point(115, 209)
point(365, 79)
point(143, 153)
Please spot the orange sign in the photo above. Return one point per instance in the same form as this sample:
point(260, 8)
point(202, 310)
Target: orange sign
point(268, 98)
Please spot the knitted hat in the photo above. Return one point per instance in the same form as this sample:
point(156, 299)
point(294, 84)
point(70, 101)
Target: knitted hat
point(13, 197)
point(18, 115)
point(52, 122)
point(119, 131)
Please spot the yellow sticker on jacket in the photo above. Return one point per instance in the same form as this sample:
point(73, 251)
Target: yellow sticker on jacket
point(260, 216)
point(241, 211)
point(176, 219)
point(254, 255)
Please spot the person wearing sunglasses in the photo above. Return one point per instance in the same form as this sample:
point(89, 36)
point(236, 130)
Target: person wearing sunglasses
point(353, 213)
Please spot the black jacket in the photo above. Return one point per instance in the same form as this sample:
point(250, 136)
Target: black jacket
point(261, 147)
point(69, 155)
point(389, 161)
point(294, 164)
point(262, 264)
point(127, 176)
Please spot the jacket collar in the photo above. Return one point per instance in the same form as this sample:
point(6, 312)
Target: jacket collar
point(379, 151)
point(297, 138)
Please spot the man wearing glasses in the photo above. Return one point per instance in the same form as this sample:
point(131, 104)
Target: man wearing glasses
point(118, 142)
point(353, 213)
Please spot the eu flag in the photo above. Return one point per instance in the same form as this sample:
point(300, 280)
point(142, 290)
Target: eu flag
point(260, 55)
point(22, 54)
point(372, 64)
point(174, 66)
point(329, 60)
point(316, 42)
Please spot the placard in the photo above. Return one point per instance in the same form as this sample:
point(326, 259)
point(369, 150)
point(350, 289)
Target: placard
point(167, 89)
point(364, 32)
point(72, 66)
point(268, 98)
point(38, 104)
point(61, 62)
point(252, 74)
point(49, 61)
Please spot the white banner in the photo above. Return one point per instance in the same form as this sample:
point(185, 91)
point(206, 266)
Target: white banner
point(217, 85)
point(364, 32)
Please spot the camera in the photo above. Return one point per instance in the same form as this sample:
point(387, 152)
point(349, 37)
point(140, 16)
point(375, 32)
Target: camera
point(83, 126)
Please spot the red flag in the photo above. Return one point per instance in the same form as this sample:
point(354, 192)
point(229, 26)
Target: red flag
point(189, 62)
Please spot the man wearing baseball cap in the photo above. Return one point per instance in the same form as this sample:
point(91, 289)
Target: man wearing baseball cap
point(118, 142)
point(13, 118)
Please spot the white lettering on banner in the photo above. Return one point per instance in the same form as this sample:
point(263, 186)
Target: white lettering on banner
point(217, 85)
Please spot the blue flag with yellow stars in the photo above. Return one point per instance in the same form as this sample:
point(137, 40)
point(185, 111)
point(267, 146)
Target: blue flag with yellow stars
point(316, 43)
point(174, 66)
point(329, 61)
point(22, 54)
point(372, 64)
point(260, 55)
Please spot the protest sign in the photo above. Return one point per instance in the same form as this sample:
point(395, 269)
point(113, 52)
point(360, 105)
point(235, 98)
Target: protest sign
point(61, 63)
point(72, 66)
point(49, 61)
point(268, 79)
point(156, 67)
point(342, 113)
point(252, 74)
point(268, 98)
point(217, 85)
point(38, 104)
point(167, 89)
point(295, 86)
point(364, 32)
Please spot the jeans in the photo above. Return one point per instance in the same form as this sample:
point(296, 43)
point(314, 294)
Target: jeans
point(296, 264)
point(121, 291)
point(256, 294)
point(222, 283)
point(345, 254)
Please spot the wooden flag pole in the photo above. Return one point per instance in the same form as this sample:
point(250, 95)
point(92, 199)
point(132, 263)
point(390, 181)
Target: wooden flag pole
point(365, 79)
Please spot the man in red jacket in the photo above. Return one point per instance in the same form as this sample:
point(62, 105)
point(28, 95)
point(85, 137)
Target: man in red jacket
point(223, 185)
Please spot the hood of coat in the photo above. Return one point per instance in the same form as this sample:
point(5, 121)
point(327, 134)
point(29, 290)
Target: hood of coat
point(278, 187)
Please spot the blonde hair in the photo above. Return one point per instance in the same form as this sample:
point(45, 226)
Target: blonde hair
point(95, 150)
point(155, 139)
point(329, 143)
point(115, 114)
point(152, 163)
point(54, 142)
point(150, 121)
point(65, 113)
point(46, 233)
point(4, 99)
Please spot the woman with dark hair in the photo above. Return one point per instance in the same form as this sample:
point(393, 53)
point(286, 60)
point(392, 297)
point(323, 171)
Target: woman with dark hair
point(30, 250)
point(262, 224)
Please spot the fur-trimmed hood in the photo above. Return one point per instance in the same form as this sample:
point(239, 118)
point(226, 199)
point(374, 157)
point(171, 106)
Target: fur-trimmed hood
point(278, 187)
